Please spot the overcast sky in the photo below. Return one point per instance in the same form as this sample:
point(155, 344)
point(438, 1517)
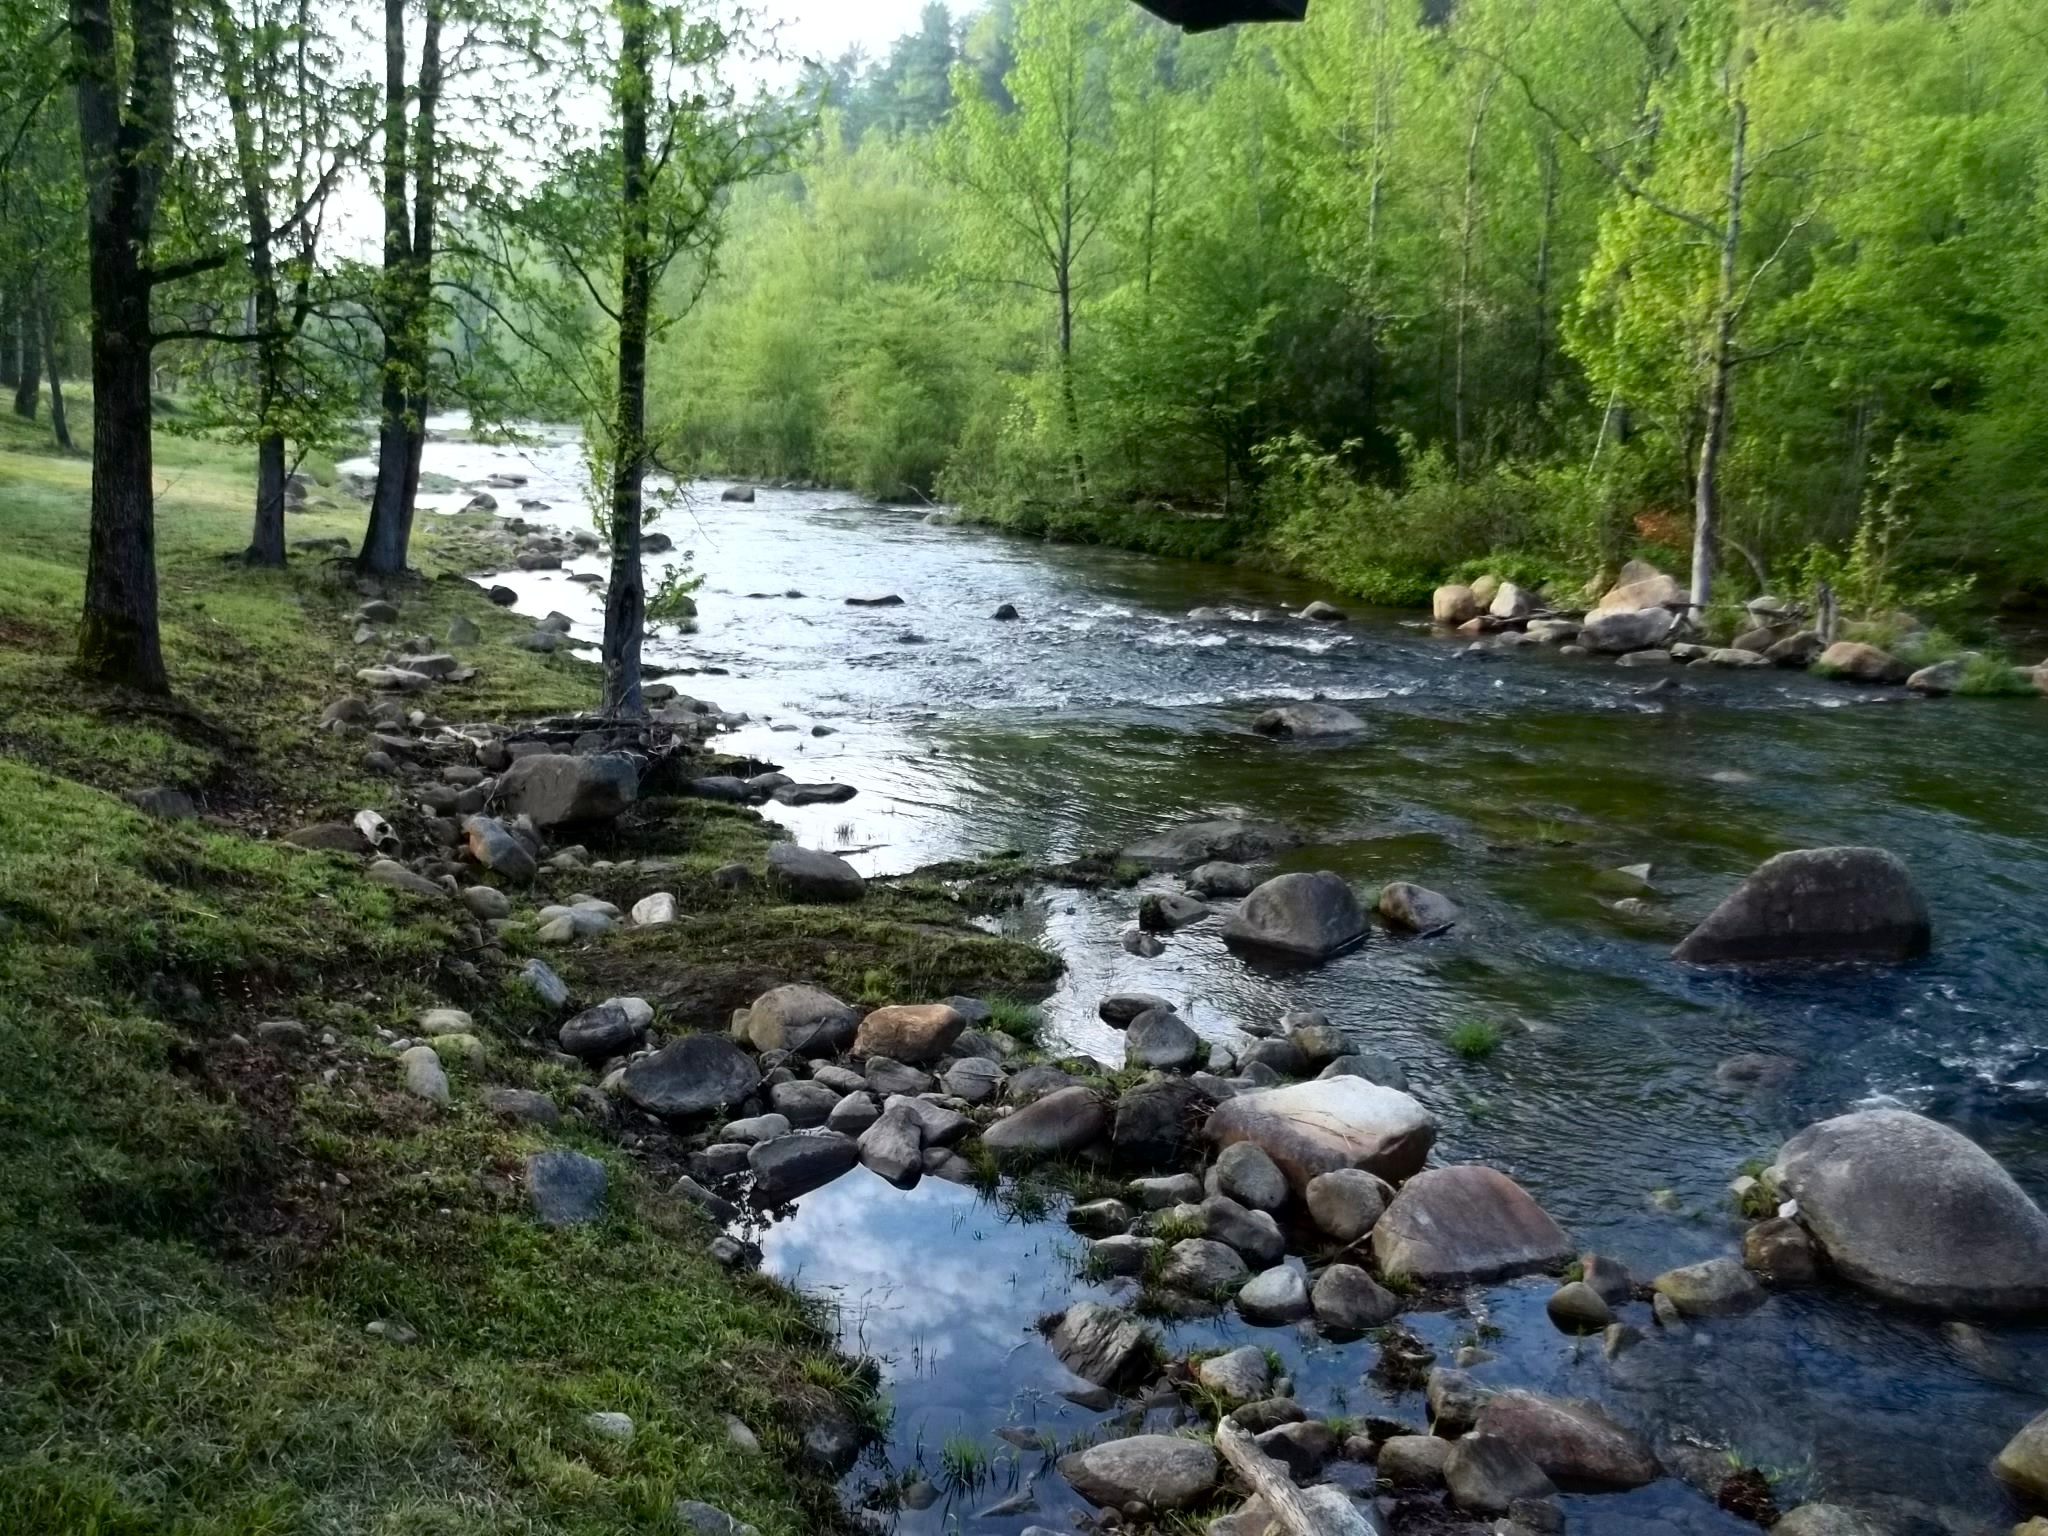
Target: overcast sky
point(827, 28)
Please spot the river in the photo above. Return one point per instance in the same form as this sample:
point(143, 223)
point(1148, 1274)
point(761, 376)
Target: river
point(1107, 712)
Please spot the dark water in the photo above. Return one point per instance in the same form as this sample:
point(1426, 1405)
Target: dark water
point(1509, 784)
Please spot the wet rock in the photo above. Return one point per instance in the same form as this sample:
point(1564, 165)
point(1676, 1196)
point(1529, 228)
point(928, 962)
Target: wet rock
point(599, 1033)
point(1101, 1344)
point(420, 1066)
point(566, 1188)
point(1486, 1476)
point(1348, 1300)
point(1309, 917)
point(1124, 1254)
point(1120, 1009)
point(1797, 651)
point(1917, 1213)
point(1451, 606)
point(1577, 1444)
point(1372, 1067)
point(1248, 1176)
point(810, 875)
point(2023, 1465)
point(1220, 880)
point(1282, 1058)
point(1162, 1041)
point(1855, 662)
point(553, 789)
point(893, 1146)
point(1070, 1120)
point(1202, 1267)
point(1417, 909)
point(1163, 1193)
point(1242, 1375)
point(1780, 1252)
point(1455, 1400)
point(803, 1104)
point(1138, 942)
point(1463, 1224)
point(546, 985)
point(1318, 1127)
point(1100, 1218)
point(1295, 722)
point(1609, 1278)
point(1827, 1520)
point(1274, 1296)
point(1201, 842)
point(1169, 912)
point(1163, 1472)
point(1717, 1288)
point(1620, 632)
point(912, 1035)
point(690, 1078)
point(1413, 1461)
point(796, 1164)
point(1817, 904)
point(1301, 1447)
point(1254, 1234)
point(805, 1020)
point(1347, 1203)
point(853, 1114)
point(1030, 1084)
point(1320, 612)
point(1577, 1308)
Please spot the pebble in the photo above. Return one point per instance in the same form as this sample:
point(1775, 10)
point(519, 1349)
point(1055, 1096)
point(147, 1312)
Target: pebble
point(613, 1426)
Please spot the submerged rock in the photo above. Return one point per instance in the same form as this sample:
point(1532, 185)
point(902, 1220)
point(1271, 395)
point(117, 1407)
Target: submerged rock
point(1917, 1213)
point(1717, 1288)
point(1487, 1476)
point(1295, 721)
point(1332, 1123)
point(1303, 916)
point(1101, 1344)
point(1577, 1445)
point(1817, 904)
point(1201, 842)
point(1463, 1224)
point(1163, 1472)
point(1416, 908)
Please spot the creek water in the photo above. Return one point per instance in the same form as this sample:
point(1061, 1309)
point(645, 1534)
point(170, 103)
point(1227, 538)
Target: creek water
point(1107, 712)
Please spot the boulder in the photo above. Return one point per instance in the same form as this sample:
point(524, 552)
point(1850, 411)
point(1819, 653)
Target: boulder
point(1716, 1288)
point(1650, 589)
point(554, 789)
point(691, 1078)
point(2023, 1465)
point(492, 844)
point(1413, 1461)
point(812, 875)
point(1370, 1065)
point(1297, 721)
point(1453, 605)
point(1248, 1176)
point(1220, 879)
point(1484, 590)
point(1417, 909)
point(1243, 1375)
point(973, 1079)
point(1855, 662)
point(1618, 632)
point(1454, 1400)
point(805, 1020)
point(1274, 1297)
point(1348, 1300)
point(1255, 1234)
point(1030, 1084)
point(1201, 842)
point(599, 1033)
point(893, 1146)
point(1069, 1120)
point(1120, 1008)
point(888, 1077)
point(1512, 603)
point(655, 910)
point(1169, 912)
point(1576, 1307)
point(1158, 1124)
point(1467, 1223)
point(743, 494)
point(1917, 1213)
point(1578, 1446)
point(796, 1164)
point(1346, 1203)
point(420, 1066)
point(565, 1188)
point(1163, 1041)
point(1101, 1344)
point(1486, 1476)
point(915, 1034)
point(1797, 652)
point(1200, 1266)
point(852, 1115)
point(1816, 904)
point(1319, 1127)
point(1302, 916)
point(1162, 1472)
point(804, 1104)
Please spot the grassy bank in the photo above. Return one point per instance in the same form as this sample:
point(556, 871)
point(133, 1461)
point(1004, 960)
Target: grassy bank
point(202, 1222)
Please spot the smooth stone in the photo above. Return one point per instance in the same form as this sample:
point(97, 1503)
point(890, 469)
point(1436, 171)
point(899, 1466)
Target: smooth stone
point(912, 1035)
point(1578, 1308)
point(1318, 1127)
point(1100, 1218)
point(1124, 1254)
point(555, 789)
point(1413, 1461)
point(1120, 1009)
point(1347, 1203)
point(854, 1114)
point(600, 1033)
point(1255, 1234)
point(1162, 1472)
point(1100, 1344)
point(1069, 1120)
point(1455, 1400)
point(1417, 909)
point(1248, 1176)
point(1486, 1476)
point(806, 1020)
point(424, 1079)
point(893, 1147)
point(890, 1078)
point(2023, 1465)
point(691, 1077)
point(1346, 1299)
point(1816, 904)
point(1717, 1288)
point(1219, 880)
point(566, 1188)
point(654, 911)
point(1169, 912)
point(811, 875)
point(1463, 1224)
point(756, 1128)
point(1162, 1041)
point(803, 1104)
point(1275, 1296)
point(1243, 1375)
point(796, 1164)
point(1158, 1194)
point(974, 1079)
point(1201, 1267)
point(1577, 1444)
point(1309, 917)
point(1372, 1066)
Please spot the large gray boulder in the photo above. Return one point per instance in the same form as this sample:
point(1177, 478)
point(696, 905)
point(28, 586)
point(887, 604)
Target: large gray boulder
point(1302, 916)
point(1487, 1476)
point(1069, 1120)
point(1468, 1223)
point(1201, 842)
point(1158, 1122)
point(1162, 1040)
point(1578, 1446)
point(1817, 904)
point(691, 1078)
point(1331, 1123)
point(1618, 631)
point(555, 789)
point(1164, 1472)
point(802, 1019)
point(1294, 721)
point(1101, 1344)
point(1917, 1213)
point(794, 1165)
point(810, 875)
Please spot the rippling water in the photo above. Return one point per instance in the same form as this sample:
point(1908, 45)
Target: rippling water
point(1108, 712)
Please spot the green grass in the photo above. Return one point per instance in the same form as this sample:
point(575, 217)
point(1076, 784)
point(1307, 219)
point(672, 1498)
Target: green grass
point(1021, 1021)
point(963, 1462)
point(1475, 1039)
point(1995, 677)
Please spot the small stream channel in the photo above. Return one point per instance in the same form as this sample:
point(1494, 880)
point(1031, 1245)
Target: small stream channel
point(1107, 712)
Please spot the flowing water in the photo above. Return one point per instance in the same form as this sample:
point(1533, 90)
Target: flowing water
point(1108, 712)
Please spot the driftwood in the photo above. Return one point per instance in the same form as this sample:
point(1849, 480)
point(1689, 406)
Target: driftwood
point(1294, 1511)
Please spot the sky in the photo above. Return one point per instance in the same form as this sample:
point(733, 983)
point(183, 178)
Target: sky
point(827, 28)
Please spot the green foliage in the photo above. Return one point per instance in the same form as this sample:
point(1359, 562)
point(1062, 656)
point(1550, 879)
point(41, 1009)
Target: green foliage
point(1475, 1039)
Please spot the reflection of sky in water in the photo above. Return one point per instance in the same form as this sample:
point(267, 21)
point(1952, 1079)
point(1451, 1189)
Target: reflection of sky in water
point(1108, 712)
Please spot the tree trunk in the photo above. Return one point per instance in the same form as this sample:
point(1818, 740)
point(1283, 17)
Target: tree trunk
point(1706, 491)
point(1467, 237)
point(625, 608)
point(28, 383)
point(1541, 363)
point(59, 425)
point(124, 154)
point(10, 349)
point(266, 538)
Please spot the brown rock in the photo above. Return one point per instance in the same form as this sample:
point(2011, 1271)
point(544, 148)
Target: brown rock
point(913, 1034)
